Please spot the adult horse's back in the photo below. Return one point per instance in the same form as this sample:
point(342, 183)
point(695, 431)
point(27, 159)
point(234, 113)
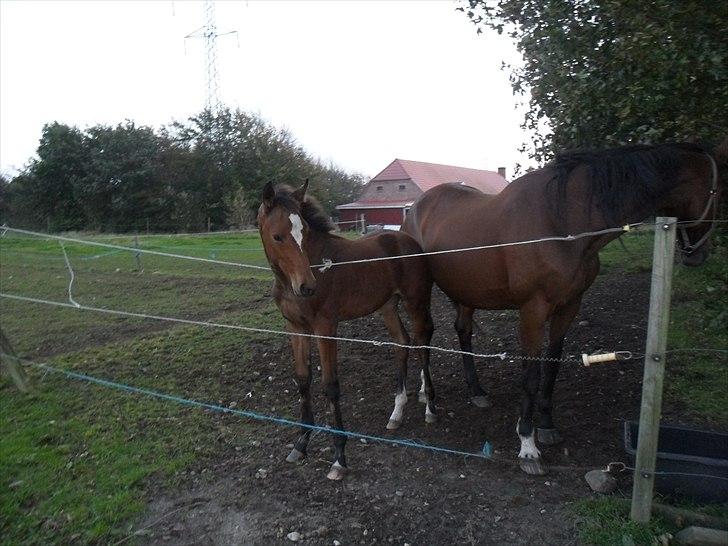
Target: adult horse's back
point(579, 192)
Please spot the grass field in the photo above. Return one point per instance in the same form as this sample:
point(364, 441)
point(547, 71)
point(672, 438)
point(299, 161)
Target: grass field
point(76, 459)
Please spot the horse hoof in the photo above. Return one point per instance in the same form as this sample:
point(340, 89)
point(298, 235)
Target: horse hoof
point(337, 472)
point(430, 418)
point(422, 397)
point(549, 436)
point(393, 425)
point(294, 456)
point(481, 401)
point(533, 467)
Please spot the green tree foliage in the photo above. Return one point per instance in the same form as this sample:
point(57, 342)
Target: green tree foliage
point(43, 195)
point(120, 180)
point(209, 169)
point(606, 72)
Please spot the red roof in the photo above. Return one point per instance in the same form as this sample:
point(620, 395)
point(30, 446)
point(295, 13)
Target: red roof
point(429, 175)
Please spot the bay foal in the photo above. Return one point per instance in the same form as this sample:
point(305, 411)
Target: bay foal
point(296, 234)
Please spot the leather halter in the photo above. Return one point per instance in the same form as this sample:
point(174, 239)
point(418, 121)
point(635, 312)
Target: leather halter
point(688, 247)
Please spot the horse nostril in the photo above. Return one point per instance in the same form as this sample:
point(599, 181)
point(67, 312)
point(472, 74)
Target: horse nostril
point(306, 291)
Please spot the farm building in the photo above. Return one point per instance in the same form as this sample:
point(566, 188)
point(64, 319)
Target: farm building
point(387, 197)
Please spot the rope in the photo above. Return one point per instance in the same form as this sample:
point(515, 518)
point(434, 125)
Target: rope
point(81, 307)
point(670, 473)
point(171, 235)
point(131, 249)
point(73, 276)
point(696, 350)
point(315, 428)
point(327, 264)
point(251, 414)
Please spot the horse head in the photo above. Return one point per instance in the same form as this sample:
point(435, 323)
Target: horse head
point(698, 209)
point(284, 233)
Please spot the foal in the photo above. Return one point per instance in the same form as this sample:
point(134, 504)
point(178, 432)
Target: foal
point(296, 234)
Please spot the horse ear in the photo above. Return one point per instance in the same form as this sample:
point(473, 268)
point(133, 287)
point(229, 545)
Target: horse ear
point(269, 194)
point(300, 193)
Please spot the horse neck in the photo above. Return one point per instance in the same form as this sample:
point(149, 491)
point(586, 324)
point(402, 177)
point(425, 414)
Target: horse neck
point(316, 245)
point(585, 215)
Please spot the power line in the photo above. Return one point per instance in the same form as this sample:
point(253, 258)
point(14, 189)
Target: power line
point(210, 34)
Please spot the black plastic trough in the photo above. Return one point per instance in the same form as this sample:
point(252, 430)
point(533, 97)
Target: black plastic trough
point(689, 451)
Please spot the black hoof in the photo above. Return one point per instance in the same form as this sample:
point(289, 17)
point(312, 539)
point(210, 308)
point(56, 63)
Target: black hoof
point(533, 467)
point(549, 436)
point(294, 456)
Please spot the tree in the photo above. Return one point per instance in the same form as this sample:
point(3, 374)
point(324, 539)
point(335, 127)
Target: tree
point(607, 72)
point(48, 195)
point(5, 206)
point(209, 169)
point(120, 187)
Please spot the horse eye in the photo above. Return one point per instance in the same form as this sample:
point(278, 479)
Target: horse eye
point(278, 238)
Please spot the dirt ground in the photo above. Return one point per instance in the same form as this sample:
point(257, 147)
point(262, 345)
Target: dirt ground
point(402, 495)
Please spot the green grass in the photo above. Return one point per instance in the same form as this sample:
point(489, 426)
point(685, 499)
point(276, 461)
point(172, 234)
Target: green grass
point(77, 460)
point(695, 382)
point(605, 521)
point(631, 253)
point(698, 318)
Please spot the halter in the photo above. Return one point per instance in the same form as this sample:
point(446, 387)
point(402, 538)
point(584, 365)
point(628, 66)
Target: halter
point(687, 246)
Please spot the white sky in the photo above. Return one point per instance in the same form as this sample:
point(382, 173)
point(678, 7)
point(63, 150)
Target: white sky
point(359, 83)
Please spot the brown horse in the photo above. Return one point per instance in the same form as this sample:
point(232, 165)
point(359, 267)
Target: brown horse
point(578, 192)
point(296, 235)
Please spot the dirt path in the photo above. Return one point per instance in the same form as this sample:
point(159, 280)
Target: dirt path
point(402, 495)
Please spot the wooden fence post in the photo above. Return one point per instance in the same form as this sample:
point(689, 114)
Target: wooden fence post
point(659, 317)
point(17, 373)
point(137, 255)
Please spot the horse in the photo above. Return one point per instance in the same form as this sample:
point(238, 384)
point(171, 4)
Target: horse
point(296, 234)
point(580, 191)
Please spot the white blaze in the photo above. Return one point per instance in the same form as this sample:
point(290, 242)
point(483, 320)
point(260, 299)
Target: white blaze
point(297, 229)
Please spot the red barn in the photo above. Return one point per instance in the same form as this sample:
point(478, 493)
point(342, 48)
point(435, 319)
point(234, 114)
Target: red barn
point(387, 197)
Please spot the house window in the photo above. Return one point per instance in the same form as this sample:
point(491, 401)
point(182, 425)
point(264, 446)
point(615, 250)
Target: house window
point(380, 188)
point(402, 187)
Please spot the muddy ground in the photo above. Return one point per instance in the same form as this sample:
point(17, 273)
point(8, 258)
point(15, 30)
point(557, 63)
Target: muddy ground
point(399, 495)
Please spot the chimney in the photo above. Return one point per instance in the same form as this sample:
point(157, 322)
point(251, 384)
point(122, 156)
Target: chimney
point(502, 171)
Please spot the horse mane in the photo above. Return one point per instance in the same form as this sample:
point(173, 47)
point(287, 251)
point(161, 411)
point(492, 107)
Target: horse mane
point(311, 210)
point(624, 177)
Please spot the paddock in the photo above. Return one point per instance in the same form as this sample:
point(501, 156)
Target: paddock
point(204, 475)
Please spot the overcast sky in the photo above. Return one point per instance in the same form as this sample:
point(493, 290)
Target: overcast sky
point(358, 83)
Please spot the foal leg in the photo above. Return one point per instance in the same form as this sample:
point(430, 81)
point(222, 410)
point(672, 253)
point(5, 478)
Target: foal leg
point(533, 319)
point(560, 322)
point(399, 335)
point(464, 328)
point(330, 379)
point(423, 329)
point(302, 357)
